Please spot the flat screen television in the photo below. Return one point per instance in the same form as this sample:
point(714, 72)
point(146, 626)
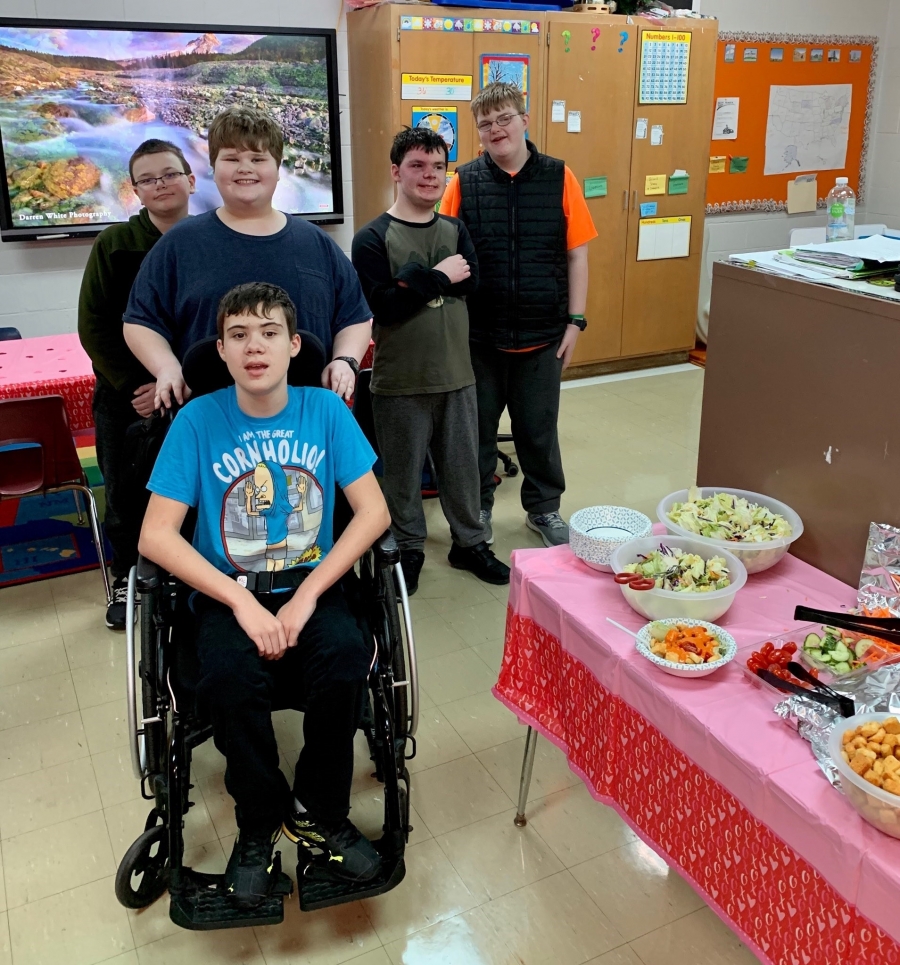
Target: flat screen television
point(77, 97)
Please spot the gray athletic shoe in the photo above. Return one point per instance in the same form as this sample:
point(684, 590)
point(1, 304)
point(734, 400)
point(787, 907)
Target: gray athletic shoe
point(552, 527)
point(486, 521)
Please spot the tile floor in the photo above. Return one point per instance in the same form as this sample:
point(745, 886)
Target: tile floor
point(573, 887)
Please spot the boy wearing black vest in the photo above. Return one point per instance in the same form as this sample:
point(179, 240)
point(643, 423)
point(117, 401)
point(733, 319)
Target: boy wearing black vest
point(416, 268)
point(530, 225)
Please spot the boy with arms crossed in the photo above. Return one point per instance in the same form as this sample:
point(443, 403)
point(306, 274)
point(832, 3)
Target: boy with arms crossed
point(530, 224)
point(260, 461)
point(175, 297)
point(416, 267)
point(125, 390)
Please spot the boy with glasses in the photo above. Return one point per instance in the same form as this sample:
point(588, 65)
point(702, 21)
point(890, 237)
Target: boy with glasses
point(530, 225)
point(125, 390)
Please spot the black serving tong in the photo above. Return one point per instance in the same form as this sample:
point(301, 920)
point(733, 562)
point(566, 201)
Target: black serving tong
point(827, 697)
point(847, 707)
point(888, 628)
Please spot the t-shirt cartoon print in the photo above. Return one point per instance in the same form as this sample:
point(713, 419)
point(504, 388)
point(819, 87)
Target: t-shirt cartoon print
point(263, 488)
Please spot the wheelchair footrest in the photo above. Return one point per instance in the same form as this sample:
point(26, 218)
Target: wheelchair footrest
point(202, 903)
point(320, 889)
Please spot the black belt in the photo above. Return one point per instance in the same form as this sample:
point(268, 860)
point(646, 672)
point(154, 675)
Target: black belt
point(268, 581)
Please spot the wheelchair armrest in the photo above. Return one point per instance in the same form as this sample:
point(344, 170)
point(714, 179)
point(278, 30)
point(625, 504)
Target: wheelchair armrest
point(386, 551)
point(149, 575)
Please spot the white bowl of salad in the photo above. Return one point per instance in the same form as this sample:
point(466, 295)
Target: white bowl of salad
point(757, 529)
point(693, 580)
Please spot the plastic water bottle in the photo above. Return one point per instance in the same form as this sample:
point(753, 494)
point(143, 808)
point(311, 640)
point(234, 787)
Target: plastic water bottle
point(841, 207)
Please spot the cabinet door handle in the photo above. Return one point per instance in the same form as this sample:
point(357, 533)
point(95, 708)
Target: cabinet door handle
point(633, 200)
point(625, 200)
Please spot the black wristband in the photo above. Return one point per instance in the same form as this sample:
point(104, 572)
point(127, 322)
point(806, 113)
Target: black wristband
point(578, 320)
point(350, 361)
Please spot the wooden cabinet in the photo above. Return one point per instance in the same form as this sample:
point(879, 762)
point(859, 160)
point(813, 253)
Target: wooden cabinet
point(591, 62)
point(660, 310)
point(592, 77)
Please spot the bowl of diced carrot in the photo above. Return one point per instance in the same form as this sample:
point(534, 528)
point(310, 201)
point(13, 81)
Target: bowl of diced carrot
point(686, 648)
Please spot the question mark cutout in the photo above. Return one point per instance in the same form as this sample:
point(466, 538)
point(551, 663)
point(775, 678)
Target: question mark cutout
point(567, 36)
point(623, 36)
point(595, 33)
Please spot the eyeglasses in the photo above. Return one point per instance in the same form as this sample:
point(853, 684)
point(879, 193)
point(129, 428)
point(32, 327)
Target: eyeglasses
point(501, 120)
point(165, 178)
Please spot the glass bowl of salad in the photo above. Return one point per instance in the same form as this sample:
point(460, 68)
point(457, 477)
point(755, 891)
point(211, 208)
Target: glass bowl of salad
point(693, 580)
point(757, 529)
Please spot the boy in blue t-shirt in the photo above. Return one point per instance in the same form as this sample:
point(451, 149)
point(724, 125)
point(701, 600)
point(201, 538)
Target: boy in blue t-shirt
point(260, 461)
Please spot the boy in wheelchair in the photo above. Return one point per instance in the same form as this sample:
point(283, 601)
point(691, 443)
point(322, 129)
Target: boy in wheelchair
point(259, 462)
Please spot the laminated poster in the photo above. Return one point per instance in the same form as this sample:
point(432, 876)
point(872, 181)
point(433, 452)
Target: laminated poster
point(443, 121)
point(509, 68)
point(665, 63)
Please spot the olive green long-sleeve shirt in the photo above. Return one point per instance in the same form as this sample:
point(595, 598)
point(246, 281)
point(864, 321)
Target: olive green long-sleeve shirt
point(112, 267)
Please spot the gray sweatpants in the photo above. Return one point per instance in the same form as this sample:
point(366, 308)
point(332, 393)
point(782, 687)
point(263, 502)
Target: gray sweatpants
point(406, 426)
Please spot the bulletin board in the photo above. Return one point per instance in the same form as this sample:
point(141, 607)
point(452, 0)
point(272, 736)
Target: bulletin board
point(806, 127)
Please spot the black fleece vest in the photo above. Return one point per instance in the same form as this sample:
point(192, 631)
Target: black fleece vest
point(519, 230)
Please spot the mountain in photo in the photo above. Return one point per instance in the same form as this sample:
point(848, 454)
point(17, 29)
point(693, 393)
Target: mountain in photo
point(202, 45)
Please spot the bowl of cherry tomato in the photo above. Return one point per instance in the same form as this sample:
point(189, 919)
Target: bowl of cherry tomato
point(775, 659)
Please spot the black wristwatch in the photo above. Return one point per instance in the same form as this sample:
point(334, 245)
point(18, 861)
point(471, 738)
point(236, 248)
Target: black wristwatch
point(350, 361)
point(578, 320)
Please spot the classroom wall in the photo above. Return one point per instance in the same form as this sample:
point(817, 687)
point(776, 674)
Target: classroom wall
point(39, 282)
point(727, 234)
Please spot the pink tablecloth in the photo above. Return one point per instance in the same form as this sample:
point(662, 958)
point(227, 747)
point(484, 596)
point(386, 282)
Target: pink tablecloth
point(581, 682)
point(49, 365)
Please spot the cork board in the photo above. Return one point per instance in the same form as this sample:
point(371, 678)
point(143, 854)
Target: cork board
point(748, 67)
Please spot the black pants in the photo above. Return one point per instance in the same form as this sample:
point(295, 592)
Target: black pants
point(527, 383)
point(325, 673)
point(113, 414)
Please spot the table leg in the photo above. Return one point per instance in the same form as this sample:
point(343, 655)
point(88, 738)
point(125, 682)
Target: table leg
point(94, 518)
point(525, 780)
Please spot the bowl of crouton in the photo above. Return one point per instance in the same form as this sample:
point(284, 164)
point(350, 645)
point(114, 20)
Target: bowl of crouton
point(865, 751)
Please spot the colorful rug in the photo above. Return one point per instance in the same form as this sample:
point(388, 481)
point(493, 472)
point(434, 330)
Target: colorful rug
point(40, 536)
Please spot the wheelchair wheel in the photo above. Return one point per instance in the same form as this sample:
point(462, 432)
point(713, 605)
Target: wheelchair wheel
point(143, 873)
point(394, 634)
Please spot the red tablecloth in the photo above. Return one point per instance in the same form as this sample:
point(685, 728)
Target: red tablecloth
point(702, 769)
point(49, 365)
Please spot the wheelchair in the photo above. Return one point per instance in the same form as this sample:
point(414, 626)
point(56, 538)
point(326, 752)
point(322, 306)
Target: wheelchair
point(166, 723)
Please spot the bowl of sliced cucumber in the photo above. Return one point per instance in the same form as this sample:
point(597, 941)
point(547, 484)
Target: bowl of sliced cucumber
point(837, 651)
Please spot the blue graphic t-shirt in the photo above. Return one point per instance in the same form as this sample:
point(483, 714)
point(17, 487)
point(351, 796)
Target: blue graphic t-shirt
point(263, 488)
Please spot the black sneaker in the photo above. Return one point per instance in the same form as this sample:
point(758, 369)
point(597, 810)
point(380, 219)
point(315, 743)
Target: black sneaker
point(411, 562)
point(479, 560)
point(115, 612)
point(343, 849)
point(248, 876)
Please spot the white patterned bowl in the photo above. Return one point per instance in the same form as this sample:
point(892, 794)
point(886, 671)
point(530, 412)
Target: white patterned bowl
point(727, 647)
point(595, 532)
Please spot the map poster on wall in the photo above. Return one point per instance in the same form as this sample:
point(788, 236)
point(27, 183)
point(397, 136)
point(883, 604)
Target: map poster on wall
point(442, 120)
point(807, 128)
point(665, 63)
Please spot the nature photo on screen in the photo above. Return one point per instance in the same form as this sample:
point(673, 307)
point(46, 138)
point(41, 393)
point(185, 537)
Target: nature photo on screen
point(75, 103)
